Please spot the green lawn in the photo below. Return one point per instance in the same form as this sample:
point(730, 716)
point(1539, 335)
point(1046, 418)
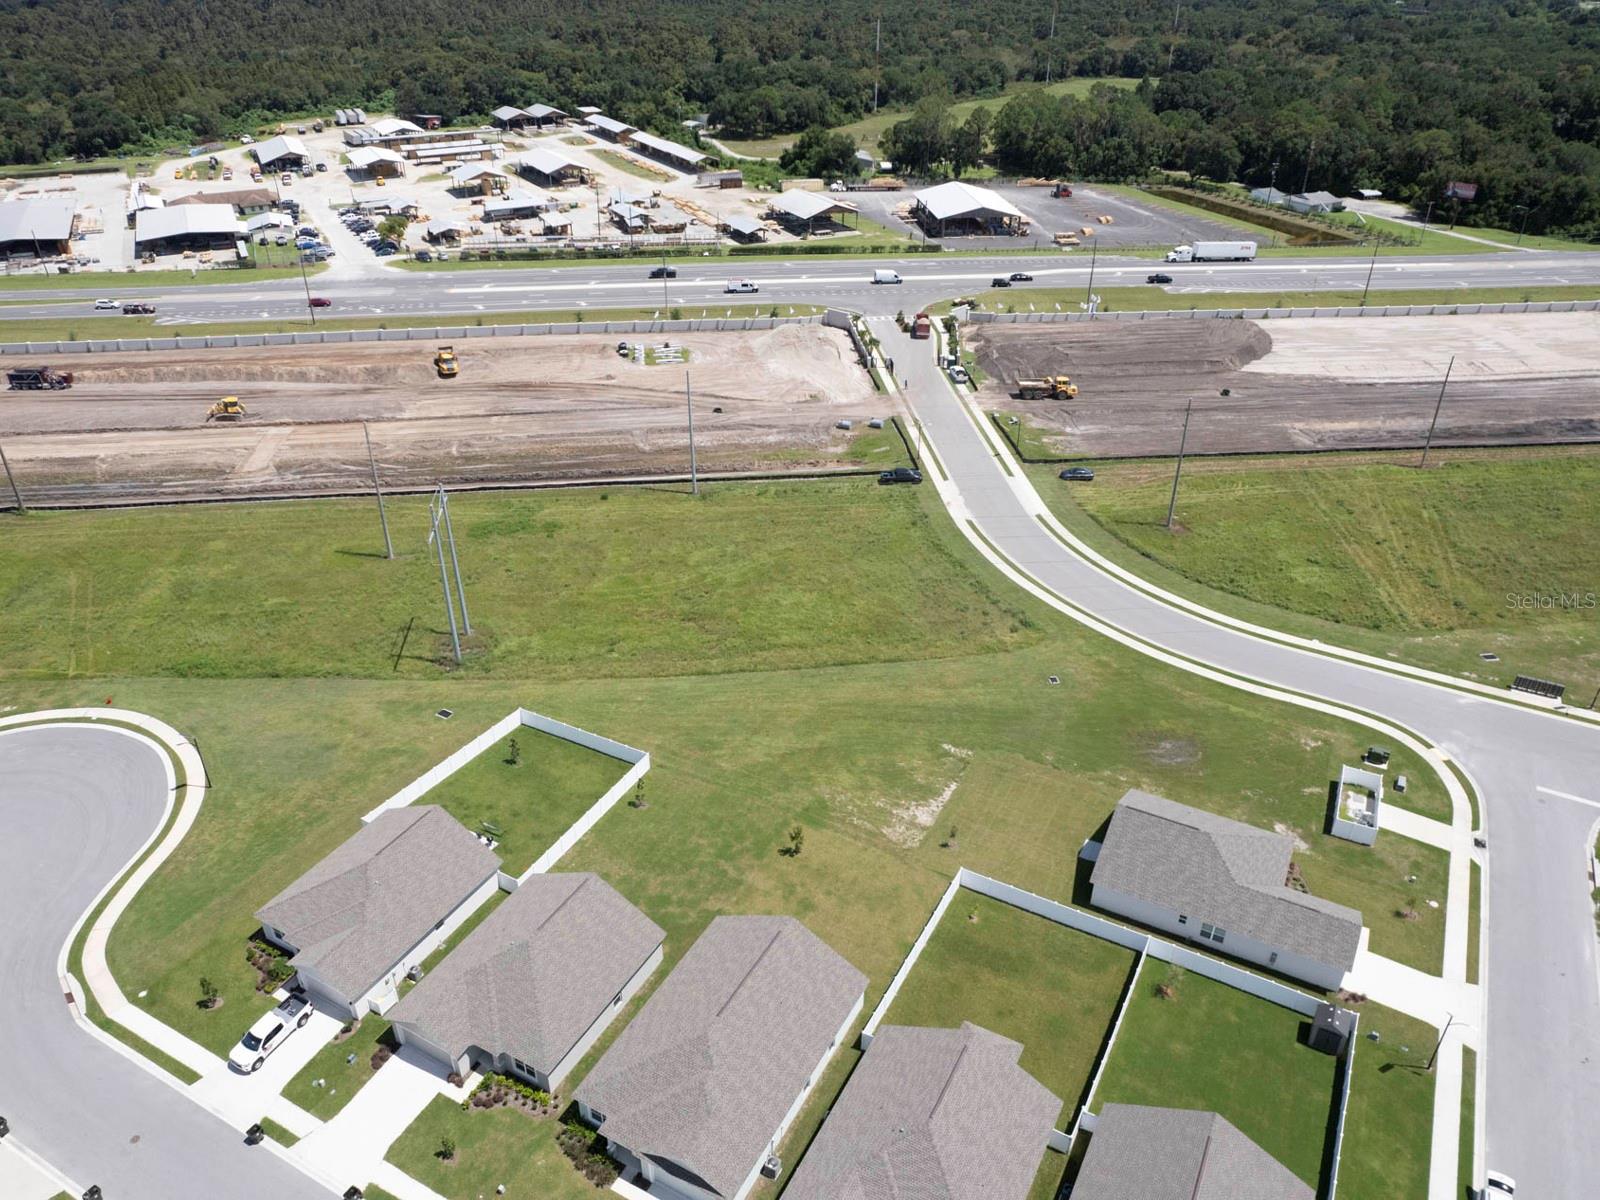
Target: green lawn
point(277, 1132)
point(870, 128)
point(1389, 1123)
point(341, 1079)
point(1053, 989)
point(830, 655)
point(493, 1147)
point(532, 801)
point(85, 280)
point(1465, 1184)
point(1213, 1047)
point(1365, 551)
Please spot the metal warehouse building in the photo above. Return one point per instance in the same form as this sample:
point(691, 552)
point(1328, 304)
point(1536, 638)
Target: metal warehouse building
point(35, 227)
point(186, 227)
point(956, 208)
point(549, 168)
point(673, 154)
point(283, 152)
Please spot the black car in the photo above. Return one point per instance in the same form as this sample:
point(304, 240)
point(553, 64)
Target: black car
point(999, 281)
point(663, 272)
point(901, 475)
point(1158, 278)
point(1077, 474)
point(1021, 277)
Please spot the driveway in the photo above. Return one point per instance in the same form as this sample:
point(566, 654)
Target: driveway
point(76, 803)
point(242, 1100)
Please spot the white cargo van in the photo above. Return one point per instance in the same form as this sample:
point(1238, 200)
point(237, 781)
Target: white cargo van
point(882, 276)
point(741, 285)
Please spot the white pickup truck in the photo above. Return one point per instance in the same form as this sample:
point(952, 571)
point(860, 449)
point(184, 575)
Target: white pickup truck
point(268, 1033)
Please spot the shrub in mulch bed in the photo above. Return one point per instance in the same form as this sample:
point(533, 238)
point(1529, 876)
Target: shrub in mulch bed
point(381, 1055)
point(271, 964)
point(580, 1144)
point(501, 1091)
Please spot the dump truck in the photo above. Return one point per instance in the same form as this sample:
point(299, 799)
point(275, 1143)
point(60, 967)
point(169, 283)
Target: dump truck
point(227, 409)
point(922, 326)
point(1051, 387)
point(35, 379)
point(444, 362)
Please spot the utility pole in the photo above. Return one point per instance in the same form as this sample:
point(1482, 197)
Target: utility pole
point(1436, 408)
point(436, 539)
point(1373, 266)
point(1183, 443)
point(694, 471)
point(383, 518)
point(1088, 297)
point(455, 566)
point(1526, 213)
point(11, 479)
point(1172, 47)
point(664, 269)
point(1427, 217)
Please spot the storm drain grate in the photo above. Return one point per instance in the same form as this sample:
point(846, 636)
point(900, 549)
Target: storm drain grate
point(444, 714)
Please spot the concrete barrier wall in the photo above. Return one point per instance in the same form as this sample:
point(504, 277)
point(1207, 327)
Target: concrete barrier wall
point(336, 337)
point(1269, 314)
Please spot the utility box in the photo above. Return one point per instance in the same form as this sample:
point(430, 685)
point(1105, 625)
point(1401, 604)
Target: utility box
point(1331, 1027)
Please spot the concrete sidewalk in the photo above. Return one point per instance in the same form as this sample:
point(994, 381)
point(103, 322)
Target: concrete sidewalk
point(24, 1177)
point(242, 1100)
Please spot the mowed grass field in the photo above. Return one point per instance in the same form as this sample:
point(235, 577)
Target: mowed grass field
point(870, 128)
point(829, 655)
point(531, 800)
point(1487, 551)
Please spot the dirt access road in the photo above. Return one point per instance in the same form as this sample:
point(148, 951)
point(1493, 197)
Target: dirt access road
point(533, 408)
point(1293, 384)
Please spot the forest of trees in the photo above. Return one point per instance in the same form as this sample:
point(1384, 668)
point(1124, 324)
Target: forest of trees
point(1333, 94)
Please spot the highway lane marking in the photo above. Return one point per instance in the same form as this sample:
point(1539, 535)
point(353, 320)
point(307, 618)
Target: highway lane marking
point(1567, 796)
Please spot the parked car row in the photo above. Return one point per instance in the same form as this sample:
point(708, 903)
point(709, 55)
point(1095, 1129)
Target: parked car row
point(365, 229)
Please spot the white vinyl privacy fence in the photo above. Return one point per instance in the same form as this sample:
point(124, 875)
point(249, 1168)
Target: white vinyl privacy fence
point(1272, 314)
point(341, 337)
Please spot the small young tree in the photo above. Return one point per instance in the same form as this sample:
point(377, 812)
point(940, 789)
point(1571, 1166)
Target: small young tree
point(208, 992)
point(447, 1148)
point(513, 753)
point(797, 840)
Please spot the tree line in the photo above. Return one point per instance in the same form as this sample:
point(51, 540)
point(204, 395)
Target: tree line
point(1324, 94)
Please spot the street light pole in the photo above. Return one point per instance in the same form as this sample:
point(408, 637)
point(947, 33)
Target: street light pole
point(1183, 443)
point(1373, 266)
point(383, 518)
point(1429, 442)
point(1450, 1020)
point(1523, 228)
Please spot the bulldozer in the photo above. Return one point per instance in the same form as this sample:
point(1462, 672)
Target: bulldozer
point(227, 409)
point(444, 362)
point(1051, 387)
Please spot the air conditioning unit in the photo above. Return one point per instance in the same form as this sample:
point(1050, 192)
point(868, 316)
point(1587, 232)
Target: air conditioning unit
point(415, 973)
point(773, 1167)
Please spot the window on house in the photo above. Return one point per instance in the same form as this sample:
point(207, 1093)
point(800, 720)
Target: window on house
point(1272, 959)
point(1182, 920)
point(1212, 933)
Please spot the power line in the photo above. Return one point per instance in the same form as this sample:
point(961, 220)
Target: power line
point(383, 518)
point(694, 473)
point(436, 540)
point(1434, 423)
point(1183, 443)
point(455, 565)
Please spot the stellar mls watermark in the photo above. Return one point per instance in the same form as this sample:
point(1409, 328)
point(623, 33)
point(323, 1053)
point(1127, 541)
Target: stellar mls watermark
point(1553, 601)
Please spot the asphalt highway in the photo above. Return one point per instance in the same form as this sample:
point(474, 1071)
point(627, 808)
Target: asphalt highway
point(76, 804)
point(368, 289)
point(1538, 775)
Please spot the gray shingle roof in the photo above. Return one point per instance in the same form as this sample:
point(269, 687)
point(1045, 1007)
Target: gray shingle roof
point(1223, 872)
point(1140, 1153)
point(704, 1075)
point(46, 220)
point(931, 1114)
point(358, 911)
point(536, 974)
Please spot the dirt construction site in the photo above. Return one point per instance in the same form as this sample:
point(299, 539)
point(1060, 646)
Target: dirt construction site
point(1300, 383)
point(133, 426)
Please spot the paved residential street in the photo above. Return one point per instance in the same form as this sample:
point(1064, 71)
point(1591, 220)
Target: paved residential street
point(76, 804)
point(1535, 772)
